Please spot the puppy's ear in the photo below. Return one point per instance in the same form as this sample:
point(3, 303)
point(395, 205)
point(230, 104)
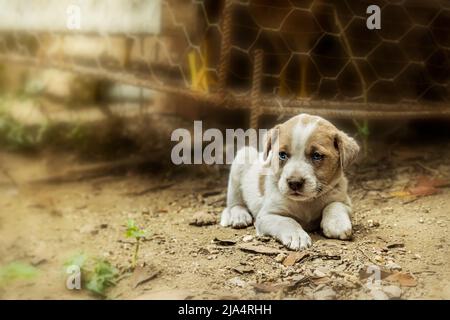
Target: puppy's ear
point(347, 147)
point(271, 138)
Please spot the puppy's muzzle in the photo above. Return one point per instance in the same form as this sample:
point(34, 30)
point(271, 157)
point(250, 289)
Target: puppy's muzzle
point(296, 184)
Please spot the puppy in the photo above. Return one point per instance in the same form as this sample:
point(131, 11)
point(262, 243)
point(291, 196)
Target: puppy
point(297, 183)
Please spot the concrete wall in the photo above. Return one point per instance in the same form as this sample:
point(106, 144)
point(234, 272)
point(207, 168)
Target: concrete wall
point(111, 16)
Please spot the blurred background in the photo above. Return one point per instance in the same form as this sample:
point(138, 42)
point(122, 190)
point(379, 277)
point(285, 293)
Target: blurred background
point(90, 92)
point(70, 61)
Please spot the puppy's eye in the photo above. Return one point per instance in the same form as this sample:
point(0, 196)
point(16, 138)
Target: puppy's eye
point(283, 156)
point(317, 156)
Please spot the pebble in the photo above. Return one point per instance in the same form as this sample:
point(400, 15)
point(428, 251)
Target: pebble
point(237, 282)
point(421, 220)
point(325, 293)
point(378, 258)
point(280, 257)
point(378, 295)
point(319, 273)
point(393, 292)
point(393, 266)
point(372, 223)
point(247, 238)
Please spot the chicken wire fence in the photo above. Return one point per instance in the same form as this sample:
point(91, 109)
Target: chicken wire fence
point(270, 57)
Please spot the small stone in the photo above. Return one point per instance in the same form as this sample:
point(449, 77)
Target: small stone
point(417, 256)
point(247, 238)
point(421, 220)
point(393, 266)
point(393, 292)
point(378, 295)
point(237, 282)
point(372, 223)
point(325, 293)
point(319, 274)
point(378, 258)
point(280, 257)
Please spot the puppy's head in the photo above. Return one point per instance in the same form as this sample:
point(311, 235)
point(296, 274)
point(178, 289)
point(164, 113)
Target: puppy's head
point(308, 155)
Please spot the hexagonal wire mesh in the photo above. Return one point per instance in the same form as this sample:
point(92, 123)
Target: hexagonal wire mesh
point(277, 57)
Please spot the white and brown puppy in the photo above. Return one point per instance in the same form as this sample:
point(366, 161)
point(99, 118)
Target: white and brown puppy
point(297, 183)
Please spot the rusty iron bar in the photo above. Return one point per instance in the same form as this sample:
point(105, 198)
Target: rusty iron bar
point(255, 111)
point(225, 46)
point(270, 106)
point(361, 114)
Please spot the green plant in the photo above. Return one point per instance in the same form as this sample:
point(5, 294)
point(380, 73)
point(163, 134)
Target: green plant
point(97, 274)
point(133, 231)
point(14, 134)
point(364, 133)
point(16, 271)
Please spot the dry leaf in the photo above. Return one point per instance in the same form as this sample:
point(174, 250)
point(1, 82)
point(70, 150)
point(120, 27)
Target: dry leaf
point(435, 182)
point(427, 186)
point(404, 279)
point(259, 249)
point(423, 190)
point(395, 245)
point(224, 242)
point(294, 257)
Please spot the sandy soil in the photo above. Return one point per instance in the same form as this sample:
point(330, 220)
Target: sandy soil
point(45, 223)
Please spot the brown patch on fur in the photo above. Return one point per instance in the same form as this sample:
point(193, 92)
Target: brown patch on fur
point(282, 134)
point(348, 149)
point(338, 149)
point(261, 184)
point(322, 141)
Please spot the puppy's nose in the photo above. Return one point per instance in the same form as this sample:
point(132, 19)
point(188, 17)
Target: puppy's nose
point(296, 185)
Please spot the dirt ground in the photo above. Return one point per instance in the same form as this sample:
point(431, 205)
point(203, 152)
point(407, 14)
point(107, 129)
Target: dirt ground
point(45, 223)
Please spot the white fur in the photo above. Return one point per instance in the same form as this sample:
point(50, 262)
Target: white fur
point(275, 212)
point(336, 221)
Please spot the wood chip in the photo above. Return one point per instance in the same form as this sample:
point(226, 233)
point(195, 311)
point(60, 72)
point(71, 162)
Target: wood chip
point(395, 245)
point(211, 193)
point(259, 249)
point(294, 257)
point(224, 242)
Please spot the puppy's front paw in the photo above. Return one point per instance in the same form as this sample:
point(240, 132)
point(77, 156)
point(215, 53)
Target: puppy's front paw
point(236, 217)
point(337, 229)
point(295, 239)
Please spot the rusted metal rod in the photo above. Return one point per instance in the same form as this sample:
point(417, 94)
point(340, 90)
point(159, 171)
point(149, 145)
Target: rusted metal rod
point(255, 110)
point(225, 46)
